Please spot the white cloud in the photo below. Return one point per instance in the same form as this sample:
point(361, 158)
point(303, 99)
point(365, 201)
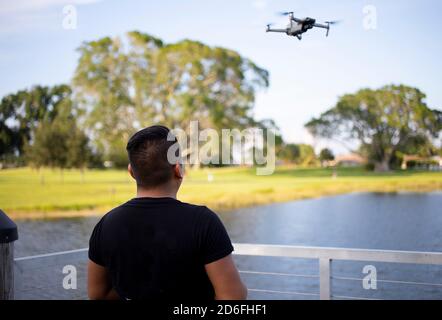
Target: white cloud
point(20, 6)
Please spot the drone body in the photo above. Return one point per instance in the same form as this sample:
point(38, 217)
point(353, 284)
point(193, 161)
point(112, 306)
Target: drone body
point(296, 27)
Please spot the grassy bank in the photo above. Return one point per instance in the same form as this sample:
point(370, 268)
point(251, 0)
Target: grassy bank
point(27, 193)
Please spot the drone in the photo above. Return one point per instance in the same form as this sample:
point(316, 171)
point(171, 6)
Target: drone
point(296, 27)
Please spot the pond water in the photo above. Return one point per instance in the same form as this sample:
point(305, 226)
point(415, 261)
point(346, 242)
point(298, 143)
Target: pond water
point(400, 221)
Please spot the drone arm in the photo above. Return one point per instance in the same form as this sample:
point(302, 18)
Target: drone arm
point(324, 26)
point(318, 25)
point(277, 30)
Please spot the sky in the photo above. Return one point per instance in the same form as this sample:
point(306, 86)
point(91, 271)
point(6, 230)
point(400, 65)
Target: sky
point(378, 42)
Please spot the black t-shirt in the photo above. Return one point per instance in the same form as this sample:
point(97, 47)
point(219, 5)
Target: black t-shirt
point(157, 248)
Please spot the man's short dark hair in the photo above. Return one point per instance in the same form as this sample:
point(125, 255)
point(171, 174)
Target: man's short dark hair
point(147, 150)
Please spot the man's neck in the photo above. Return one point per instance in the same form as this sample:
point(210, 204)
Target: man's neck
point(155, 193)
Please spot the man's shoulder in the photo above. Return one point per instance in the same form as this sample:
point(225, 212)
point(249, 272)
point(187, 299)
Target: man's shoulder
point(199, 210)
point(195, 209)
point(192, 214)
point(113, 212)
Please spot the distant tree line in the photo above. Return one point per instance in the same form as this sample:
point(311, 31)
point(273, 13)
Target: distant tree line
point(120, 86)
point(39, 127)
point(123, 84)
point(303, 154)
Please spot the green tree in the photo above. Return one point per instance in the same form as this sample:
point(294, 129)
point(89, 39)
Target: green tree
point(307, 155)
point(49, 148)
point(383, 121)
point(21, 113)
point(301, 154)
point(289, 152)
point(146, 82)
point(59, 143)
point(326, 155)
point(102, 84)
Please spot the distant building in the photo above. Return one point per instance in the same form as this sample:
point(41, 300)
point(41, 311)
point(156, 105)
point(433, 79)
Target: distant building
point(434, 162)
point(347, 160)
point(438, 160)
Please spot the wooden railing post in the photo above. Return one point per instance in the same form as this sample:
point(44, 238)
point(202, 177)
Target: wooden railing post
point(8, 234)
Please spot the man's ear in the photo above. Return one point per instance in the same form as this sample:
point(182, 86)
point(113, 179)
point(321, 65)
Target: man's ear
point(178, 171)
point(129, 169)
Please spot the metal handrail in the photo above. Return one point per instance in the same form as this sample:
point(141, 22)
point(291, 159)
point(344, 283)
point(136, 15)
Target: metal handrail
point(392, 281)
point(325, 256)
point(52, 254)
point(392, 256)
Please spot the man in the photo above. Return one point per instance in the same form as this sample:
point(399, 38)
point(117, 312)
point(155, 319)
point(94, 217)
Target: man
point(156, 247)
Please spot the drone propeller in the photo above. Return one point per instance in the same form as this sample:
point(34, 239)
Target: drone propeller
point(284, 13)
point(333, 22)
point(330, 23)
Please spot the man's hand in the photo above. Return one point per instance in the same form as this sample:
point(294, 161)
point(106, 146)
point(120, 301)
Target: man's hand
point(226, 280)
point(99, 286)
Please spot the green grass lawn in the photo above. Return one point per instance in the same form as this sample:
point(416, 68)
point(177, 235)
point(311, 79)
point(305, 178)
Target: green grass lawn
point(27, 193)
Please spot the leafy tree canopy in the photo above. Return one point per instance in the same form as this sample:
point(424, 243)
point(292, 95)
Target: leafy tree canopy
point(289, 152)
point(326, 155)
point(383, 121)
point(125, 84)
point(21, 112)
point(59, 143)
